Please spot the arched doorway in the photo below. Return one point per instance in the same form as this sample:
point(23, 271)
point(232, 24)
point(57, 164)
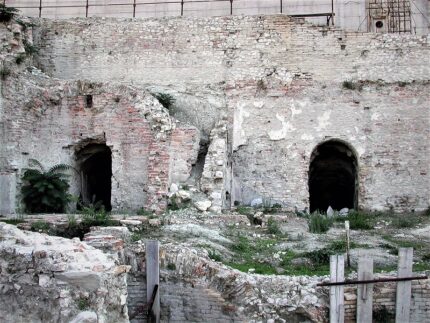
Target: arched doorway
point(95, 167)
point(333, 177)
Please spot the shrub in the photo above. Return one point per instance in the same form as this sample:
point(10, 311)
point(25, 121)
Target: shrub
point(171, 266)
point(7, 13)
point(166, 100)
point(95, 215)
point(273, 227)
point(45, 191)
point(319, 223)
point(359, 221)
point(244, 210)
point(40, 226)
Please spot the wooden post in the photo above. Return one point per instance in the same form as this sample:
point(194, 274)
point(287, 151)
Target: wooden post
point(153, 276)
point(337, 268)
point(365, 291)
point(348, 261)
point(403, 295)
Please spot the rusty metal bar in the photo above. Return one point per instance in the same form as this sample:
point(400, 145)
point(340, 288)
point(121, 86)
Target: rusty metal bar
point(371, 281)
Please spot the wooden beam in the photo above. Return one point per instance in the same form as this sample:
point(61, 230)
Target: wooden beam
point(365, 292)
point(153, 278)
point(337, 269)
point(403, 295)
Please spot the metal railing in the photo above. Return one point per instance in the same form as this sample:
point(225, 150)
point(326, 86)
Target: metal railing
point(132, 6)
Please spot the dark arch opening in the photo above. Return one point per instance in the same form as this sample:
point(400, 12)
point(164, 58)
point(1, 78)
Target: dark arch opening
point(332, 177)
point(95, 166)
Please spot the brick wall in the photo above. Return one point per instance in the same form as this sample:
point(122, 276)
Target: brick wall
point(281, 87)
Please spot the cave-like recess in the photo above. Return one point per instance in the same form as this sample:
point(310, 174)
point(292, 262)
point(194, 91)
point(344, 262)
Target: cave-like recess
point(95, 166)
point(332, 177)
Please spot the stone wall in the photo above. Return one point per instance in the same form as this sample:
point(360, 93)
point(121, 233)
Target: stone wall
point(51, 279)
point(219, 293)
point(282, 84)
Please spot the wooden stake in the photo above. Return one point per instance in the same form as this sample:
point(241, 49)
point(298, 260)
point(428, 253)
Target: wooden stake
point(403, 295)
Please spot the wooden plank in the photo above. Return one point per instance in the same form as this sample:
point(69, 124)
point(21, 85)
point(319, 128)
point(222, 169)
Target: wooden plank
point(365, 292)
point(403, 295)
point(337, 268)
point(153, 276)
point(348, 261)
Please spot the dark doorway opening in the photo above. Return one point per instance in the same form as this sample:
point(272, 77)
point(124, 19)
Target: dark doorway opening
point(332, 177)
point(95, 165)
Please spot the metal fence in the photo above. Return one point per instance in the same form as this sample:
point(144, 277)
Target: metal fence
point(154, 8)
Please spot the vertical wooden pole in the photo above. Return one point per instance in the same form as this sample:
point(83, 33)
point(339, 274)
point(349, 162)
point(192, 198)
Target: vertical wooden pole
point(403, 295)
point(153, 276)
point(337, 268)
point(348, 261)
point(365, 291)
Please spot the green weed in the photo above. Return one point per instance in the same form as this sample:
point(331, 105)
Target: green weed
point(319, 223)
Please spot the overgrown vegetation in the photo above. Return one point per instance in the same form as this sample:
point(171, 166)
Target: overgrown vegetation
point(83, 303)
point(359, 220)
point(95, 215)
point(142, 211)
point(273, 226)
point(319, 223)
point(20, 58)
point(7, 13)
point(165, 99)
point(40, 226)
point(45, 191)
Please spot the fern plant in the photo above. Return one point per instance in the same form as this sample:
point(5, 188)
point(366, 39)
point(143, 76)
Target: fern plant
point(45, 191)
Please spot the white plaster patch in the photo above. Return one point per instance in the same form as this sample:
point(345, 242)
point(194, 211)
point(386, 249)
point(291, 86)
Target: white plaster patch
point(281, 133)
point(295, 111)
point(374, 117)
point(323, 121)
point(307, 137)
point(239, 135)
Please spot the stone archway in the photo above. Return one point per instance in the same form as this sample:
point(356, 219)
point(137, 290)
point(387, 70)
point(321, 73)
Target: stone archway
point(333, 177)
point(95, 168)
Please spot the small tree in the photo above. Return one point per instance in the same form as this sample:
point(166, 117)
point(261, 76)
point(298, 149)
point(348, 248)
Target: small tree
point(45, 191)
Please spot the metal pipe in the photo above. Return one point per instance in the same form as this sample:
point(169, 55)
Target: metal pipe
point(182, 7)
point(86, 10)
point(231, 7)
point(281, 6)
point(371, 281)
point(40, 8)
point(134, 8)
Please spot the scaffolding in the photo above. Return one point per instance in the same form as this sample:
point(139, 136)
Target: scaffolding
point(392, 16)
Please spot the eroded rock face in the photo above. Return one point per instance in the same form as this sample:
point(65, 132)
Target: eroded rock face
point(51, 279)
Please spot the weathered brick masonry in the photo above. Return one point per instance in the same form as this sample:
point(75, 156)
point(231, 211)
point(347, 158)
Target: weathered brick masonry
point(275, 83)
point(282, 84)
